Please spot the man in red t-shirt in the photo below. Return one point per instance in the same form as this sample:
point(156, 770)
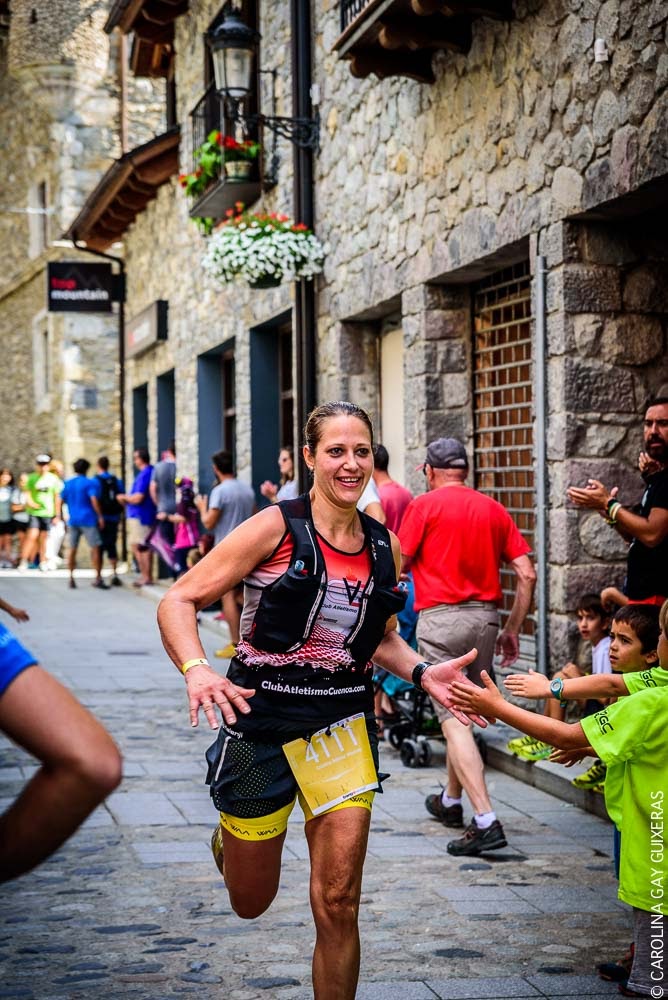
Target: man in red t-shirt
point(394, 497)
point(454, 540)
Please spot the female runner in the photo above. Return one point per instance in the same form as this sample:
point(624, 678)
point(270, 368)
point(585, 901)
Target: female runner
point(320, 597)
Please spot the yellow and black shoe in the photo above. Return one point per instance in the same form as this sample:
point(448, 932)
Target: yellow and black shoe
point(592, 780)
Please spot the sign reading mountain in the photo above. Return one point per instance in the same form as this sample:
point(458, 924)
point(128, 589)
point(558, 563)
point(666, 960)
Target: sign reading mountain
point(74, 286)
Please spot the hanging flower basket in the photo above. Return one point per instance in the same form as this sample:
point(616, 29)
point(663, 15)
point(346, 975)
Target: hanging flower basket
point(262, 250)
point(216, 151)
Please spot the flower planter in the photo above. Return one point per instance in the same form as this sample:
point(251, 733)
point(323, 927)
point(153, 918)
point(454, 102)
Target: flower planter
point(262, 249)
point(266, 281)
point(238, 170)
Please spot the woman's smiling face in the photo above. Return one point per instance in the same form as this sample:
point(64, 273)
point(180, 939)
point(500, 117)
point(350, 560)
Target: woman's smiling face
point(343, 460)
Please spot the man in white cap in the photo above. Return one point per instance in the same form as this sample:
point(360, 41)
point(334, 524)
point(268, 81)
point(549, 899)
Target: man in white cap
point(42, 488)
point(454, 540)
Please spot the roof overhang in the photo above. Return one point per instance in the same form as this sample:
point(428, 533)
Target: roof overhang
point(125, 190)
point(151, 22)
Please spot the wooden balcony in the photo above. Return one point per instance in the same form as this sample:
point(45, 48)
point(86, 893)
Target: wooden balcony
point(399, 37)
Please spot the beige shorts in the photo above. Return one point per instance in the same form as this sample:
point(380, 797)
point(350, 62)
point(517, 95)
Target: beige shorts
point(137, 531)
point(449, 630)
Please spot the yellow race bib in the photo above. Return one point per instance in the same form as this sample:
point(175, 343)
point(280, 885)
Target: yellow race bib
point(335, 764)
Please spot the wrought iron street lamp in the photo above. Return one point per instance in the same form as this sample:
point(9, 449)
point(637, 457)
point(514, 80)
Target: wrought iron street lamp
point(234, 46)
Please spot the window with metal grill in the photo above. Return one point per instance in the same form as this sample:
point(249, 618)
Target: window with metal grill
point(503, 407)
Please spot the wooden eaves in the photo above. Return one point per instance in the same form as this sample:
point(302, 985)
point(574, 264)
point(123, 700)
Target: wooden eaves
point(129, 184)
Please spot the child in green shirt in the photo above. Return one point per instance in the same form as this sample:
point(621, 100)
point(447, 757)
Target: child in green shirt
point(631, 735)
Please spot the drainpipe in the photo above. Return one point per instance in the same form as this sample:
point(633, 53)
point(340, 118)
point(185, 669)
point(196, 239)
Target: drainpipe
point(120, 298)
point(540, 363)
point(305, 305)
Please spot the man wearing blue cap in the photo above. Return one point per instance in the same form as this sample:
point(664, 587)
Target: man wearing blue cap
point(454, 539)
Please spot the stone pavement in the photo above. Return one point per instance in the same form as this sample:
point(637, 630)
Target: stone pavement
point(133, 906)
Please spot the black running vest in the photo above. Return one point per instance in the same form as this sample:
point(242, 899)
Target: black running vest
point(289, 606)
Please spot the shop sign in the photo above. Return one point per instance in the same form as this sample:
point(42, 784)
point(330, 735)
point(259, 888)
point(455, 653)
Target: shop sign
point(146, 328)
point(75, 286)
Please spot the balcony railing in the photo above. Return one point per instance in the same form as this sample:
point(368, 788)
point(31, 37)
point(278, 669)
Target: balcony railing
point(205, 116)
point(223, 192)
point(349, 11)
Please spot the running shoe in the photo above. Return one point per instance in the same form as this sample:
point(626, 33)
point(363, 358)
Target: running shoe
point(535, 751)
point(593, 779)
point(520, 742)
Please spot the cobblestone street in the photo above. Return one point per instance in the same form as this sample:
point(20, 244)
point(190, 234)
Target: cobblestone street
point(133, 906)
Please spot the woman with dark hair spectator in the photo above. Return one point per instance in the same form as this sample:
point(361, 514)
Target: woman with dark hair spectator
point(287, 489)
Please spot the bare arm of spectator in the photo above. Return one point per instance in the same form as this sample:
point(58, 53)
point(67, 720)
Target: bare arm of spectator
point(98, 510)
point(508, 641)
point(81, 765)
point(132, 498)
point(374, 509)
point(208, 515)
point(651, 530)
point(153, 491)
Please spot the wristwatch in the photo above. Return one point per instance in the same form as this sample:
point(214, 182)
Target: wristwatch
point(556, 689)
point(418, 671)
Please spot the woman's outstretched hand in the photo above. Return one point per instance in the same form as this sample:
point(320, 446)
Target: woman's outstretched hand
point(438, 682)
point(207, 689)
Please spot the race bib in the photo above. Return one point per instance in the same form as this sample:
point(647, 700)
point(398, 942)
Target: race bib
point(334, 765)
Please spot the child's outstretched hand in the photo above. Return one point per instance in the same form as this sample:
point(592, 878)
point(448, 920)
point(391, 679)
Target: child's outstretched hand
point(531, 685)
point(474, 700)
point(568, 757)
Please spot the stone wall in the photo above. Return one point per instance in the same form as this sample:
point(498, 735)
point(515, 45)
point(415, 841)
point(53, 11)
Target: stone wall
point(59, 119)
point(164, 248)
point(416, 181)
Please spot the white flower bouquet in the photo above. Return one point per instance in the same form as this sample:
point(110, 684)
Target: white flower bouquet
point(263, 250)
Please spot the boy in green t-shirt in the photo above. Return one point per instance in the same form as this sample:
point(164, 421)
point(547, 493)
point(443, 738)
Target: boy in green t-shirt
point(632, 652)
point(630, 736)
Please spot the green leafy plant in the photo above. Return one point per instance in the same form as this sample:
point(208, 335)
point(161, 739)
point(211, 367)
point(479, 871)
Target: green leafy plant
point(210, 156)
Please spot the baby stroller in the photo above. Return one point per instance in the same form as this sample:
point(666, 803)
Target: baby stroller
point(414, 725)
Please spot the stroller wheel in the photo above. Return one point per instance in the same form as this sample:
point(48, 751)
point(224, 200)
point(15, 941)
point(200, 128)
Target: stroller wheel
point(410, 753)
point(397, 734)
point(424, 753)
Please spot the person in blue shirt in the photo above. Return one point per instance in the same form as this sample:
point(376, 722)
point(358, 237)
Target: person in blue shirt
point(110, 488)
point(82, 496)
point(80, 763)
point(141, 515)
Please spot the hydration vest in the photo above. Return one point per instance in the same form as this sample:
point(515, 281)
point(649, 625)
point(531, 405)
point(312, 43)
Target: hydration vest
point(288, 608)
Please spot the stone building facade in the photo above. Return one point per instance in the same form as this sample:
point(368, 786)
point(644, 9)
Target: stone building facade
point(59, 121)
point(448, 207)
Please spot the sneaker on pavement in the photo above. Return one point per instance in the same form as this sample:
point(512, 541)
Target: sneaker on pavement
point(448, 815)
point(475, 841)
point(100, 584)
point(593, 779)
point(227, 652)
point(72, 584)
point(217, 848)
point(535, 751)
point(519, 742)
point(116, 582)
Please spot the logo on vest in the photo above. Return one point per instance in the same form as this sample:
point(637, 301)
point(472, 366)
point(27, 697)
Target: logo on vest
point(352, 590)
